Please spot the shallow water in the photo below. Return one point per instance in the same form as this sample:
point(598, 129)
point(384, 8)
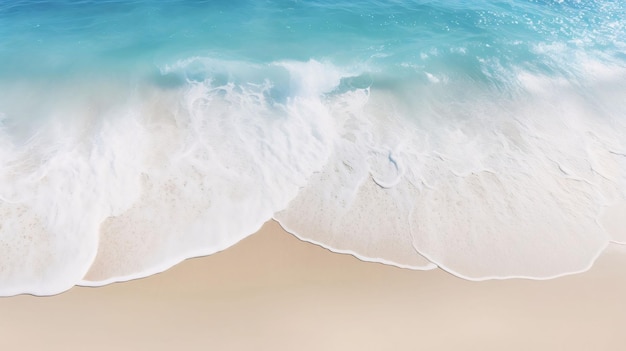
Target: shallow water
point(482, 138)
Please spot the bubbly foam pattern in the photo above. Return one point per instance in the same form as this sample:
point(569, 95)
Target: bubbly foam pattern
point(499, 187)
point(527, 181)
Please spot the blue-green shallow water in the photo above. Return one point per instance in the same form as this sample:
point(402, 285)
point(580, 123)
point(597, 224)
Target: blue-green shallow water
point(46, 37)
point(482, 137)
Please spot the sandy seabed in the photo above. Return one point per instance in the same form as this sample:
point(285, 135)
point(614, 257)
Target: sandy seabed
point(274, 292)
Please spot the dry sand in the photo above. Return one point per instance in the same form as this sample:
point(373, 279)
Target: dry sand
point(274, 292)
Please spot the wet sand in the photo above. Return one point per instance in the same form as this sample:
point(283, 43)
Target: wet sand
point(274, 292)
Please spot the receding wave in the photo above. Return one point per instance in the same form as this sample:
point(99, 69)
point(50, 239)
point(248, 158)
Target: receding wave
point(485, 183)
point(489, 144)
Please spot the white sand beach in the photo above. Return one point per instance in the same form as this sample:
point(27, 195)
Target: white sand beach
point(274, 292)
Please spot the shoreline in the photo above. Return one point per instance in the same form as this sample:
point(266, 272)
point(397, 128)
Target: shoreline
point(272, 291)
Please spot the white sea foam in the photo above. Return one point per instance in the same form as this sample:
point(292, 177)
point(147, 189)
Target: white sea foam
point(221, 162)
point(529, 185)
point(125, 182)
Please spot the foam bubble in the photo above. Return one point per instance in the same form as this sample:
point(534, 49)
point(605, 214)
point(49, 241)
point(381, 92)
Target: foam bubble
point(217, 166)
point(485, 180)
point(496, 187)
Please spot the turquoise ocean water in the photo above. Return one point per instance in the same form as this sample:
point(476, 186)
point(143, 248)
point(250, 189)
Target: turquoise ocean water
point(485, 137)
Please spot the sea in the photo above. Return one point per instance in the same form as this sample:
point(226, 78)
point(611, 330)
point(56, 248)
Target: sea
point(486, 138)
